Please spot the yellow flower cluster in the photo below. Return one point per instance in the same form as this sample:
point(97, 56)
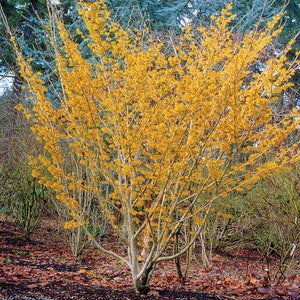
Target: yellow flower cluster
point(158, 133)
point(73, 224)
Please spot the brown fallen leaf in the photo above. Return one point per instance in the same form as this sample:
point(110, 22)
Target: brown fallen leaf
point(43, 284)
point(33, 286)
point(153, 293)
point(263, 291)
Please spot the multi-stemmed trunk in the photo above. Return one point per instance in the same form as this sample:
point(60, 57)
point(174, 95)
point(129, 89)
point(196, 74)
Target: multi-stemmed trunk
point(141, 282)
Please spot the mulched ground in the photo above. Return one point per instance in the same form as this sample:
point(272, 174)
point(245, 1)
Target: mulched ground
point(44, 268)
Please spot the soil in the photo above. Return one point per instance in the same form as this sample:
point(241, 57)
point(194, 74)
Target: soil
point(44, 268)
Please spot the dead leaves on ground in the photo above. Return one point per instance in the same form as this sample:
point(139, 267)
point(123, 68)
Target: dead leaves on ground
point(47, 260)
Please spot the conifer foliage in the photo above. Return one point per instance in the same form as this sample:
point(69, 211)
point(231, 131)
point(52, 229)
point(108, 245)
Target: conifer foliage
point(160, 136)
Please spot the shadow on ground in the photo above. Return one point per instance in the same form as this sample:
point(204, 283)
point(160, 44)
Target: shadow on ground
point(63, 291)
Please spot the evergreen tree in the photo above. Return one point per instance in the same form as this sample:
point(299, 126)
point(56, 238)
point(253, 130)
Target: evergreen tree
point(163, 16)
point(292, 22)
point(172, 14)
point(23, 19)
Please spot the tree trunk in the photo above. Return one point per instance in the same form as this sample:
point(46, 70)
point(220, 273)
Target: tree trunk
point(177, 259)
point(141, 282)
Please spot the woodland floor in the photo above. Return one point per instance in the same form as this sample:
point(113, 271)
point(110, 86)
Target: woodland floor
point(44, 268)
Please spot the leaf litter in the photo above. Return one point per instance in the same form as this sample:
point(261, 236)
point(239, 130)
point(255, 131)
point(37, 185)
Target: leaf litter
point(45, 269)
